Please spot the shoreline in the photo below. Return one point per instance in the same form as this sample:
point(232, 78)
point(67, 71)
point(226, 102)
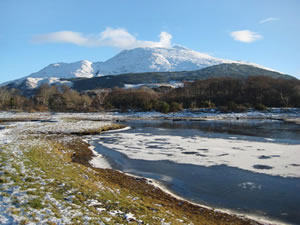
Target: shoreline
point(222, 210)
point(83, 152)
point(163, 188)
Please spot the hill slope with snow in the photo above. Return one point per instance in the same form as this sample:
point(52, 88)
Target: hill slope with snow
point(137, 60)
point(66, 70)
point(157, 60)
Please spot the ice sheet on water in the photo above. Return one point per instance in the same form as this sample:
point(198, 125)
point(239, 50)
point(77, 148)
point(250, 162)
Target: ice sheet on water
point(242, 154)
point(250, 185)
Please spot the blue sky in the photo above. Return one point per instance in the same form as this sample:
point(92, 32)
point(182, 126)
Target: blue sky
point(35, 33)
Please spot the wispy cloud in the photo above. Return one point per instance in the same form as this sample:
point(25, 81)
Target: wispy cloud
point(62, 37)
point(267, 20)
point(246, 36)
point(119, 38)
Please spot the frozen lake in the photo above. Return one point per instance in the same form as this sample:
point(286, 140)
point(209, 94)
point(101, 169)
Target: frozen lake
point(250, 166)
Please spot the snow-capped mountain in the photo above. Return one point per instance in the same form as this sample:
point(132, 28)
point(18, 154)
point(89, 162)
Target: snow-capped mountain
point(128, 61)
point(54, 74)
point(157, 60)
point(66, 70)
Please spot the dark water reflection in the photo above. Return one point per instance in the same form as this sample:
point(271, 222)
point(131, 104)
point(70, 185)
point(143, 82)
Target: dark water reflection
point(252, 129)
point(221, 186)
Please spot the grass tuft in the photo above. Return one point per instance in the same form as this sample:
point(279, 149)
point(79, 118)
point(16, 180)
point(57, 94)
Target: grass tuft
point(35, 203)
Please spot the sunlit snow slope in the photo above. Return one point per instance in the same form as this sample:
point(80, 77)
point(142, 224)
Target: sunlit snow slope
point(128, 61)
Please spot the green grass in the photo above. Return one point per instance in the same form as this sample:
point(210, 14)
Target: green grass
point(50, 170)
point(73, 176)
point(36, 203)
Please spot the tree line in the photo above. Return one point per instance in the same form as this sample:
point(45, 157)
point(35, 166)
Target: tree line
point(227, 94)
point(233, 93)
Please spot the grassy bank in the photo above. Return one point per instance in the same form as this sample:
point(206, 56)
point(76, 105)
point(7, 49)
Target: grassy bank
point(46, 178)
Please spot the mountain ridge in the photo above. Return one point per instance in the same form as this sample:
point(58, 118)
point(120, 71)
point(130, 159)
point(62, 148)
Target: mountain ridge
point(136, 60)
point(140, 61)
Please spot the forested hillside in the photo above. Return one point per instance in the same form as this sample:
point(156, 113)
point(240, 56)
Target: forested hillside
point(226, 94)
point(232, 70)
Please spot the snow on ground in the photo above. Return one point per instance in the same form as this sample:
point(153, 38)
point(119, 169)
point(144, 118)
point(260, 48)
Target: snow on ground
point(273, 113)
point(172, 84)
point(20, 204)
point(293, 120)
point(29, 196)
point(57, 116)
point(261, 157)
point(98, 161)
point(65, 127)
point(269, 158)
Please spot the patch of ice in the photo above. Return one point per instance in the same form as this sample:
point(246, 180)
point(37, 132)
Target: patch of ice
point(98, 161)
point(250, 186)
point(269, 139)
point(236, 153)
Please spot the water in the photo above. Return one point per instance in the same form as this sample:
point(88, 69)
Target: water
point(254, 129)
point(219, 186)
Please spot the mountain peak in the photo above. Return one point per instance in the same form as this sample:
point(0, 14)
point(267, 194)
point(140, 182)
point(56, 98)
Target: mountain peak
point(180, 47)
point(158, 59)
point(138, 60)
point(81, 68)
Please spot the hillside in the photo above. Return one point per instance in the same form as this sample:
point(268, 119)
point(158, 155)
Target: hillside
point(223, 70)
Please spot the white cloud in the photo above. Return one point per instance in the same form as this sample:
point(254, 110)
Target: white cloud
point(267, 20)
point(119, 38)
point(246, 36)
point(62, 37)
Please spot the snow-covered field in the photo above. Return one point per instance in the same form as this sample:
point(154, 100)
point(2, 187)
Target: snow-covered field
point(17, 197)
point(26, 196)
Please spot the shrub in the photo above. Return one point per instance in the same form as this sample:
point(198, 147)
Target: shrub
point(175, 107)
point(207, 104)
point(163, 107)
point(233, 107)
point(260, 107)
